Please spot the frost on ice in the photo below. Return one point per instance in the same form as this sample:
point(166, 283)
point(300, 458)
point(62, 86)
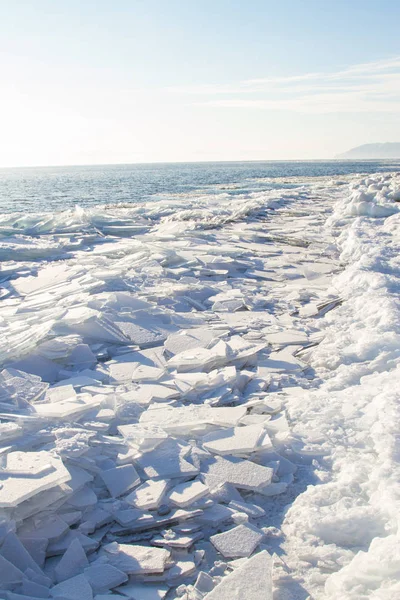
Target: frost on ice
point(202, 403)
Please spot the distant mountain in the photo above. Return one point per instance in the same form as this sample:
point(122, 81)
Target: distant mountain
point(371, 151)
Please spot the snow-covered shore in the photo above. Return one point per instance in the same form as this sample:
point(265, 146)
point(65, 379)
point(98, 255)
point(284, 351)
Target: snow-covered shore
point(349, 525)
point(186, 388)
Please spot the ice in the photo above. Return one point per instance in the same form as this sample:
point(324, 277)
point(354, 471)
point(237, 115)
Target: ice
point(67, 408)
point(237, 440)
point(66, 392)
point(185, 494)
point(12, 596)
point(251, 581)
point(140, 335)
point(103, 577)
point(161, 384)
point(71, 589)
point(37, 549)
point(9, 575)
point(59, 546)
point(148, 495)
point(72, 563)
point(185, 418)
point(50, 527)
point(32, 589)
point(167, 461)
point(28, 473)
point(14, 551)
point(242, 474)
point(216, 515)
point(146, 373)
point(120, 479)
point(188, 340)
point(237, 542)
point(177, 541)
point(141, 591)
point(135, 560)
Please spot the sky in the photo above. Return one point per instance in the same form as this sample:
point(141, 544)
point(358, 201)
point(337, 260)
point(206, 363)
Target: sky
point(125, 81)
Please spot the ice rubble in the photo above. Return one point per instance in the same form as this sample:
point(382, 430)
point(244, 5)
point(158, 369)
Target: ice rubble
point(160, 388)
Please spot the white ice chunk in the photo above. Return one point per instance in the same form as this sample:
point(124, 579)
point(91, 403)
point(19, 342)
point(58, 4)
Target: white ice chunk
point(10, 575)
point(37, 549)
point(146, 373)
point(33, 589)
point(187, 340)
point(72, 589)
point(72, 563)
point(242, 474)
point(60, 546)
point(236, 440)
point(104, 577)
point(135, 559)
point(121, 371)
point(219, 513)
point(183, 419)
point(185, 494)
point(279, 362)
point(251, 581)
point(148, 496)
point(167, 461)
point(143, 335)
point(177, 541)
point(285, 338)
point(66, 408)
point(120, 479)
point(143, 437)
point(14, 551)
point(28, 473)
point(238, 542)
point(56, 394)
point(143, 591)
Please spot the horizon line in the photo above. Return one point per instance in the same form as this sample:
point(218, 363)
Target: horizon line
point(185, 162)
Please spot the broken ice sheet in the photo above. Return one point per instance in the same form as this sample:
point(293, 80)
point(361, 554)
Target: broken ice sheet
point(148, 495)
point(167, 461)
point(25, 474)
point(182, 419)
point(237, 440)
point(20, 388)
point(189, 339)
point(241, 541)
point(143, 591)
point(242, 474)
point(103, 577)
point(251, 581)
point(185, 494)
point(120, 479)
point(136, 559)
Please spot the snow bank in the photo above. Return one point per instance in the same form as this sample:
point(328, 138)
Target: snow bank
point(349, 524)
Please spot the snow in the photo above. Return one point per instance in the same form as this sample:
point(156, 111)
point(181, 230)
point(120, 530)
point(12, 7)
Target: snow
point(193, 401)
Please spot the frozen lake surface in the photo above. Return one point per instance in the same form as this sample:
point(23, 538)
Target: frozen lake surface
point(199, 384)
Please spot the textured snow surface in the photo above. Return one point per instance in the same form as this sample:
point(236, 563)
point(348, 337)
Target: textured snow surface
point(201, 401)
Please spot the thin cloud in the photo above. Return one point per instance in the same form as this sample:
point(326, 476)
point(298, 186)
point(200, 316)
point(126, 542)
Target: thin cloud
point(367, 87)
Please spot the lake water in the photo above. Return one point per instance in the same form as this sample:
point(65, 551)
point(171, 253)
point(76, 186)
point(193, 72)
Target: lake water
point(51, 189)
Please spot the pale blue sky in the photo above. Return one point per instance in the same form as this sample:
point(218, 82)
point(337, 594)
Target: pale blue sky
point(175, 80)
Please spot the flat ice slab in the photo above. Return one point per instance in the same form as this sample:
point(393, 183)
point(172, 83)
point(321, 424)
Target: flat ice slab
point(241, 541)
point(251, 581)
point(28, 473)
point(185, 494)
point(236, 440)
point(135, 560)
point(242, 474)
